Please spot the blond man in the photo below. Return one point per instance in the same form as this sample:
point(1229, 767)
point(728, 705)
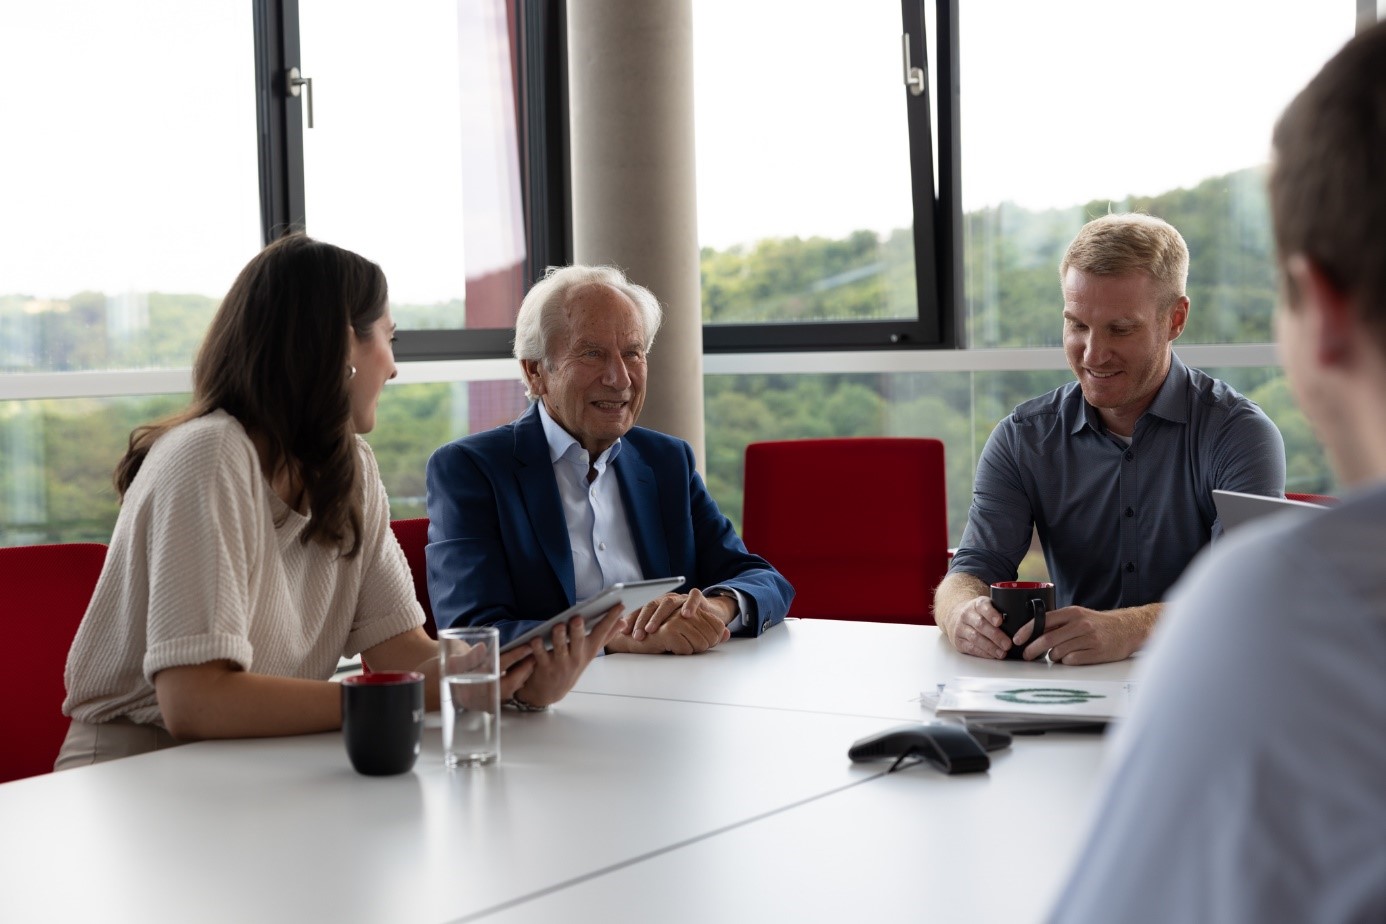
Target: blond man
point(1116, 469)
point(1246, 785)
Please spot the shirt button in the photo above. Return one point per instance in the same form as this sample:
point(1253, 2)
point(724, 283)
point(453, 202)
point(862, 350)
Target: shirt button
point(602, 547)
point(1130, 567)
point(1130, 512)
point(1130, 455)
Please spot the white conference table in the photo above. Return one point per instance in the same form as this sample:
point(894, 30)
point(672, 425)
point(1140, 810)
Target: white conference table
point(714, 787)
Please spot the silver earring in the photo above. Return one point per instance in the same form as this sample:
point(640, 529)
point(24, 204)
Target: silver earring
point(352, 373)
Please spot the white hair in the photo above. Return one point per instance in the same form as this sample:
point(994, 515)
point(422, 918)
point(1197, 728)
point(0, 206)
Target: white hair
point(541, 311)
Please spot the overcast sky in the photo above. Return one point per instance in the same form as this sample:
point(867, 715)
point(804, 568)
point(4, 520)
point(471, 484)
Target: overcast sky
point(129, 161)
point(803, 115)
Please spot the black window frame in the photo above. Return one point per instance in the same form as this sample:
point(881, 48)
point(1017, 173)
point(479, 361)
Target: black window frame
point(542, 117)
point(937, 210)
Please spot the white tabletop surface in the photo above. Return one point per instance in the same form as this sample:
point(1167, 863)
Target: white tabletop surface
point(822, 665)
point(714, 787)
point(912, 846)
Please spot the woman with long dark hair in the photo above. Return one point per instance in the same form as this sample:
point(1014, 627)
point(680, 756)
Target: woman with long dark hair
point(253, 547)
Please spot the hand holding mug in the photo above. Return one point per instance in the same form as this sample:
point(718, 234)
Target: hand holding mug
point(1022, 603)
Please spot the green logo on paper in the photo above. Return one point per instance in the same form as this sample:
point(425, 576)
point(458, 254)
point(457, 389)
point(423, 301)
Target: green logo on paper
point(1047, 696)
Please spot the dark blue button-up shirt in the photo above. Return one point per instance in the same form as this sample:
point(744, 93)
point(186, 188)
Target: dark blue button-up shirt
point(1118, 524)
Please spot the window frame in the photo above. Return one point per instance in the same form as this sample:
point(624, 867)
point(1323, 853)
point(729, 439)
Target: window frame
point(542, 102)
point(541, 84)
point(937, 226)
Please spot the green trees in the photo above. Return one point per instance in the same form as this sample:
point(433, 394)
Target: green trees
point(58, 455)
point(1011, 258)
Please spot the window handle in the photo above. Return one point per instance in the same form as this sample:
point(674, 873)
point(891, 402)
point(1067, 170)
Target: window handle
point(914, 76)
point(294, 82)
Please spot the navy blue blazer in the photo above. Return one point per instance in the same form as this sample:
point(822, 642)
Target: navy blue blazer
point(498, 550)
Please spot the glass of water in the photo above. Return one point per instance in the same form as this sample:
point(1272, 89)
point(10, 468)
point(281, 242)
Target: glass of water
point(470, 675)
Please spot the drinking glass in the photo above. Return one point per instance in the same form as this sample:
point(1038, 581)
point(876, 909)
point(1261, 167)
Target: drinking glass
point(470, 701)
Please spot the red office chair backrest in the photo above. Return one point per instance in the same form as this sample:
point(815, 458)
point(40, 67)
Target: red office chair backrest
point(1326, 500)
point(859, 526)
point(413, 537)
point(44, 592)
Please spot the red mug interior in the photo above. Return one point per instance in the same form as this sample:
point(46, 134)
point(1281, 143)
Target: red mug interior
point(1022, 585)
point(383, 677)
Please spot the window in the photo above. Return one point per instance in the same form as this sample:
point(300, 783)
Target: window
point(129, 212)
point(126, 213)
point(816, 209)
point(1127, 107)
point(439, 149)
point(1066, 110)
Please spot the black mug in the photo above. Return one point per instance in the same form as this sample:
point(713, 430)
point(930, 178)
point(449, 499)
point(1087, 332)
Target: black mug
point(382, 721)
point(1020, 602)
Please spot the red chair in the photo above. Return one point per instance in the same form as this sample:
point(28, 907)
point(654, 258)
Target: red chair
point(1326, 500)
point(413, 538)
point(859, 526)
point(44, 592)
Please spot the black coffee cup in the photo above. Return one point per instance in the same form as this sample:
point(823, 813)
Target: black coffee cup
point(1020, 602)
point(382, 721)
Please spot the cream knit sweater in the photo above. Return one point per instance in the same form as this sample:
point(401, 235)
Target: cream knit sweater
point(205, 563)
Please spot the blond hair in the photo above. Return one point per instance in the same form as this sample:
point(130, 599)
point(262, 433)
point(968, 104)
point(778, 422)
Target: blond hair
point(1117, 245)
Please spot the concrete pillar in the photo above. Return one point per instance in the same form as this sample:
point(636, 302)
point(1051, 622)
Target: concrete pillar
point(630, 98)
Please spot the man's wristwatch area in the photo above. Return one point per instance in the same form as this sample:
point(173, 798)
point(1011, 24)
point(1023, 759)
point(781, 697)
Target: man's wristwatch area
point(729, 594)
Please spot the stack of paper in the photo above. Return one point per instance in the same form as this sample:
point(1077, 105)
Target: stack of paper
point(990, 698)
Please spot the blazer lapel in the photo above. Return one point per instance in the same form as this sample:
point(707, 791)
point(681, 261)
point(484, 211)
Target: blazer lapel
point(534, 472)
point(640, 493)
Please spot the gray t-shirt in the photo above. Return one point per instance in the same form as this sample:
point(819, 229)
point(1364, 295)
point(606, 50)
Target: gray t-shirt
point(1247, 785)
point(1118, 523)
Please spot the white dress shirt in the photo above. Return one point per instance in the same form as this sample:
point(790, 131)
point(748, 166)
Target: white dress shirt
point(598, 529)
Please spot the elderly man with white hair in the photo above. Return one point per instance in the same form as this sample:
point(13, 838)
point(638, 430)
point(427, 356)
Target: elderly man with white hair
point(533, 516)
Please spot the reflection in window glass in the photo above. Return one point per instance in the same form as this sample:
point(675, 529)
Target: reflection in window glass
point(1080, 107)
point(128, 201)
point(413, 160)
point(803, 161)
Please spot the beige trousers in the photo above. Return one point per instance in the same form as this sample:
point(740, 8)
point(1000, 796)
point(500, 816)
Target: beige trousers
point(89, 743)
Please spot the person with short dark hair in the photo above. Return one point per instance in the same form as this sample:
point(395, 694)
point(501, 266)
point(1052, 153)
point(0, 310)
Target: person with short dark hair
point(1246, 786)
point(1116, 470)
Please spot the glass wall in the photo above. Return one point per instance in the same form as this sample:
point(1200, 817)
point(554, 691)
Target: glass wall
point(1069, 110)
point(959, 408)
point(129, 202)
point(1161, 108)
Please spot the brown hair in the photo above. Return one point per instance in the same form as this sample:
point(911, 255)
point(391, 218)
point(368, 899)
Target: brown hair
point(1327, 185)
point(276, 359)
point(1115, 245)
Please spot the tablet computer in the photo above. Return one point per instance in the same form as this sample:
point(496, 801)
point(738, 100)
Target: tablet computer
point(630, 594)
point(1236, 508)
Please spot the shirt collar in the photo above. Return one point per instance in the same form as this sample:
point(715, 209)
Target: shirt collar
point(563, 444)
point(1169, 401)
